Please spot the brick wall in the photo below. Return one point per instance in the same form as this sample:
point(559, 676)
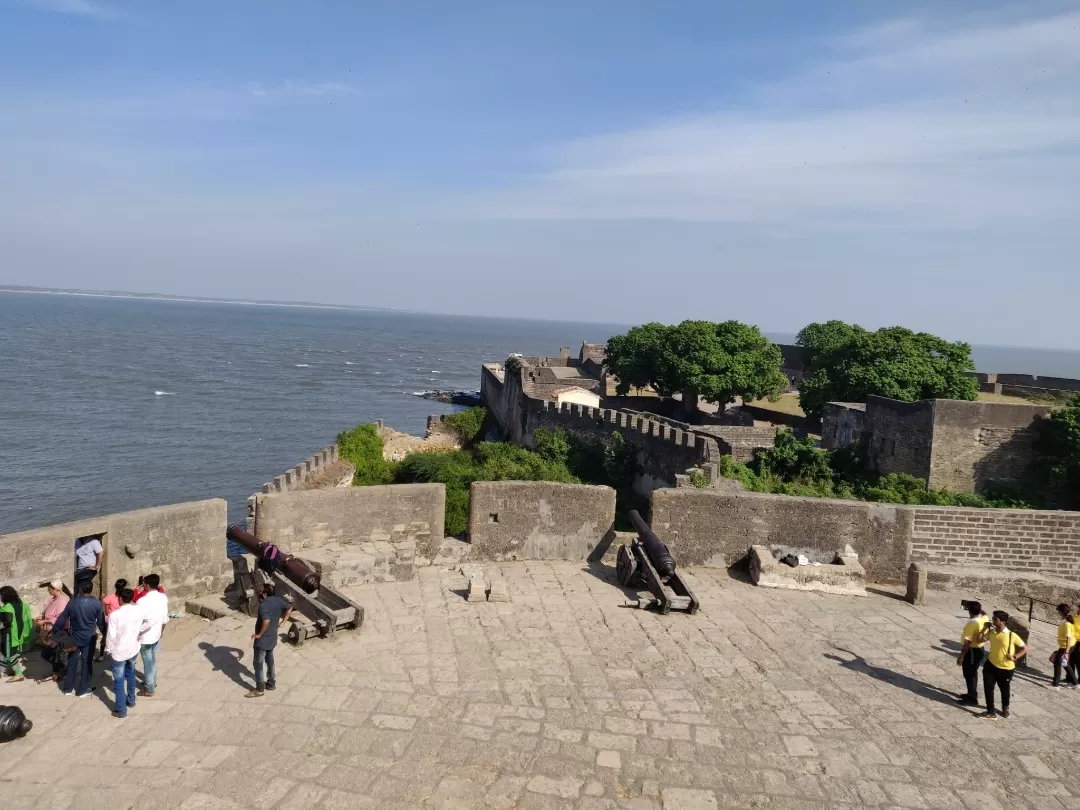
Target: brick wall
point(1040, 542)
point(742, 441)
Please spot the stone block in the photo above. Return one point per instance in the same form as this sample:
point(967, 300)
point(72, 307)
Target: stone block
point(845, 576)
point(498, 591)
point(916, 584)
point(477, 589)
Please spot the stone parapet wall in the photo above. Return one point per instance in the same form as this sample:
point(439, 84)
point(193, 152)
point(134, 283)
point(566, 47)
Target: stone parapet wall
point(705, 525)
point(296, 521)
point(538, 520)
point(292, 480)
point(742, 441)
point(184, 543)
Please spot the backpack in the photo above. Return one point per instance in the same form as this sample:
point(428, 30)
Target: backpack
point(270, 558)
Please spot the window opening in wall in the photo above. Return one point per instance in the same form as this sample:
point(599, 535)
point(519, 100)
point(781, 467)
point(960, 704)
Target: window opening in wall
point(89, 552)
point(493, 517)
point(892, 448)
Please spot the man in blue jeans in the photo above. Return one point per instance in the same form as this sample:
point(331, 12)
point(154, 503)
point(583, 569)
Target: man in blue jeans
point(273, 610)
point(154, 607)
point(122, 644)
point(86, 616)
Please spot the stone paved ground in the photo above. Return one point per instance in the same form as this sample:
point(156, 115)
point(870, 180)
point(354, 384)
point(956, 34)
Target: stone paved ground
point(562, 699)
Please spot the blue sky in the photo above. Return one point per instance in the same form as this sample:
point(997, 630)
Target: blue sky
point(623, 161)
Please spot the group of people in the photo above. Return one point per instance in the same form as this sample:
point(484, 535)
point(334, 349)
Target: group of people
point(130, 622)
point(1006, 649)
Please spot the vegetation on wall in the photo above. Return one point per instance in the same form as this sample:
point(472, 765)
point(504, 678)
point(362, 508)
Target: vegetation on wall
point(796, 466)
point(466, 425)
point(716, 362)
point(1057, 459)
point(363, 448)
point(846, 363)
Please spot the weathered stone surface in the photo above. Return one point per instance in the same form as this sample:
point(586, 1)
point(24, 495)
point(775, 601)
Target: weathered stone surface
point(776, 699)
point(184, 543)
point(538, 520)
point(477, 589)
point(498, 591)
point(916, 584)
point(208, 607)
point(297, 521)
point(845, 578)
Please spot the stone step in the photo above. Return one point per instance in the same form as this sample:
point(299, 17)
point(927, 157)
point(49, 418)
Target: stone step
point(209, 607)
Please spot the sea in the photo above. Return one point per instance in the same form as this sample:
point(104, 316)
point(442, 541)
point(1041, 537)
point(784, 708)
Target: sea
point(109, 404)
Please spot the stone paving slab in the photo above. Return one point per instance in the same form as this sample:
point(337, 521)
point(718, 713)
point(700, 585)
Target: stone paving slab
point(561, 698)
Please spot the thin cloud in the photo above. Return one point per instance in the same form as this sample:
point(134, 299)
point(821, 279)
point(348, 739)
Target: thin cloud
point(81, 8)
point(901, 126)
point(295, 89)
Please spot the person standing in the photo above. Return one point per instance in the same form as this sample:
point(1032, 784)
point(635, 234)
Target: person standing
point(273, 610)
point(58, 600)
point(1062, 656)
point(86, 618)
point(972, 653)
point(155, 611)
point(110, 603)
point(17, 627)
point(1006, 648)
point(88, 553)
point(123, 646)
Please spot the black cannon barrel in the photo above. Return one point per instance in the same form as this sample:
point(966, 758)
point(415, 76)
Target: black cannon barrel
point(13, 723)
point(659, 555)
point(297, 571)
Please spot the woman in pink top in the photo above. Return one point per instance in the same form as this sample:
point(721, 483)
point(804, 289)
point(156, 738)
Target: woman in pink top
point(110, 603)
point(59, 598)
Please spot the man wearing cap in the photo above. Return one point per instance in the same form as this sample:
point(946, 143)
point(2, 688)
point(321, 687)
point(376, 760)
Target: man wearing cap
point(972, 653)
point(1006, 648)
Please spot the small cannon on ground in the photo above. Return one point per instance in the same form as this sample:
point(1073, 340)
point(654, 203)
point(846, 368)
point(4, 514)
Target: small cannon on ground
point(647, 563)
point(13, 723)
point(318, 609)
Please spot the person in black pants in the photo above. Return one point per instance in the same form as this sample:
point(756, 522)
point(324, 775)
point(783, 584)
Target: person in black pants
point(1062, 656)
point(972, 653)
point(1006, 648)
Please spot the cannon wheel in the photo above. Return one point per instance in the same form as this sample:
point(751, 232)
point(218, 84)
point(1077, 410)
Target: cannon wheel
point(625, 565)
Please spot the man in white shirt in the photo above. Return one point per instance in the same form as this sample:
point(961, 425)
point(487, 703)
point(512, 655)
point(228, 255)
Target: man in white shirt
point(122, 644)
point(155, 611)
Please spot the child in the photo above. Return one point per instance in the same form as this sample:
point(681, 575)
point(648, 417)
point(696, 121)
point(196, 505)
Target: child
point(110, 603)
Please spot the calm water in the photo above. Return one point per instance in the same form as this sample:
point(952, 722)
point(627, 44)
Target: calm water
point(115, 404)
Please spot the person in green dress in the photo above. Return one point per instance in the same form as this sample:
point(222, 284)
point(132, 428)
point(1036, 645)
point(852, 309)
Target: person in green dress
point(17, 628)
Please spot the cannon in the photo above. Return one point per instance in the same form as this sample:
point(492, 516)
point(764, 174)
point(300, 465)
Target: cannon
point(13, 723)
point(648, 563)
point(318, 609)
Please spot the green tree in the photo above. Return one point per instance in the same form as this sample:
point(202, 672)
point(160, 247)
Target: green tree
point(716, 362)
point(847, 363)
point(1058, 455)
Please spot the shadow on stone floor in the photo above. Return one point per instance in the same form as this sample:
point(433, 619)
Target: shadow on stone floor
point(899, 680)
point(882, 592)
point(227, 660)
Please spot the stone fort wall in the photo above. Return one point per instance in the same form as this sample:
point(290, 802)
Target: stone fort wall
point(664, 451)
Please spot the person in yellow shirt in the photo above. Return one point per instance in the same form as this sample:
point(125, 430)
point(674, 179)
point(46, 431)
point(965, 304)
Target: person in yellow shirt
point(1006, 648)
point(1074, 657)
point(1062, 656)
point(972, 653)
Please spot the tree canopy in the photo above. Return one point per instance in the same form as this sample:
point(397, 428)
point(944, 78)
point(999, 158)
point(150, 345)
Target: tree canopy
point(846, 363)
point(716, 362)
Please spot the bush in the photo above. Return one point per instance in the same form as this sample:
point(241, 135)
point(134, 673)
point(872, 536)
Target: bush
point(467, 424)
point(363, 448)
point(797, 467)
point(699, 479)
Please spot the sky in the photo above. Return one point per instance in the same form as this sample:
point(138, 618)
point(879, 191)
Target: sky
point(623, 161)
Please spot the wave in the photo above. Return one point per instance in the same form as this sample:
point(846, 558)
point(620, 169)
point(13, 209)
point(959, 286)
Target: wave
point(301, 365)
point(350, 363)
point(436, 372)
point(164, 394)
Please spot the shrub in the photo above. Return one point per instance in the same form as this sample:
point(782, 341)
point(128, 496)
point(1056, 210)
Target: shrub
point(363, 448)
point(699, 479)
point(467, 424)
